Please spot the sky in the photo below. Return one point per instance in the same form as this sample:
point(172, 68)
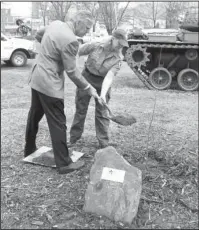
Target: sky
point(23, 9)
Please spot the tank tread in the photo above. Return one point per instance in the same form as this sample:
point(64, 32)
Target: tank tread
point(180, 46)
point(142, 75)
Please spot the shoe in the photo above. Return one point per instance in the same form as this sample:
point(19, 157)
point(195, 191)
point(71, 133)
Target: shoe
point(27, 151)
point(71, 167)
point(102, 146)
point(72, 143)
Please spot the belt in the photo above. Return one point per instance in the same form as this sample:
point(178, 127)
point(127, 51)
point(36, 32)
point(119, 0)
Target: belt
point(87, 70)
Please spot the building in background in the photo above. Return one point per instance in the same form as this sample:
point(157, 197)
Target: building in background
point(8, 19)
point(35, 10)
point(8, 22)
point(5, 15)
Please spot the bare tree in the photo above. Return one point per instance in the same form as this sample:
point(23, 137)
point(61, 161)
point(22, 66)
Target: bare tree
point(92, 7)
point(122, 14)
point(43, 6)
point(154, 13)
point(173, 11)
point(111, 15)
point(59, 10)
point(149, 13)
point(107, 14)
point(129, 15)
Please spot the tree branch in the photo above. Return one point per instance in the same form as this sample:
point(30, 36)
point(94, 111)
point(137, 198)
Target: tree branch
point(118, 22)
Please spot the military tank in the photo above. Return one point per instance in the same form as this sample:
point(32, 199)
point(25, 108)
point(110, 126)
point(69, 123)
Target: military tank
point(137, 34)
point(165, 58)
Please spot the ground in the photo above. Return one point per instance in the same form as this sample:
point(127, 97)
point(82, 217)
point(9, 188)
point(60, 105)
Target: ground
point(163, 144)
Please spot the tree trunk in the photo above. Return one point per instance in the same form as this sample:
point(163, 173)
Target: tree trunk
point(94, 27)
point(109, 30)
point(154, 23)
point(44, 20)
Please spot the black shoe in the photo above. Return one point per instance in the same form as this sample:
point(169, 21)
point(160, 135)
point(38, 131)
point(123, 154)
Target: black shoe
point(71, 167)
point(29, 151)
point(72, 143)
point(102, 146)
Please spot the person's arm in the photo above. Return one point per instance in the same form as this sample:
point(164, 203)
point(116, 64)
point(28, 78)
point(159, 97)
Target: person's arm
point(81, 83)
point(108, 80)
point(69, 53)
point(87, 48)
point(76, 77)
point(40, 34)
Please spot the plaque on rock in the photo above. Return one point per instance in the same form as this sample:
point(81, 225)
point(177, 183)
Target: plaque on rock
point(115, 187)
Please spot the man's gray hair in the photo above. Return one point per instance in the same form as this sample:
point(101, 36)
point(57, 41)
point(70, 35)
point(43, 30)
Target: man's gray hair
point(82, 15)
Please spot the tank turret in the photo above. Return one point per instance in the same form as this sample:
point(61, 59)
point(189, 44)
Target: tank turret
point(137, 34)
point(189, 27)
point(190, 21)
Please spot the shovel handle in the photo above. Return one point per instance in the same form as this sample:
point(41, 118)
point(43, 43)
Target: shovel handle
point(109, 110)
point(105, 104)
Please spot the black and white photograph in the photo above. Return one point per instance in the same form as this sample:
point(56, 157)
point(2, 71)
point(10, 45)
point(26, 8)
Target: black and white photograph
point(99, 114)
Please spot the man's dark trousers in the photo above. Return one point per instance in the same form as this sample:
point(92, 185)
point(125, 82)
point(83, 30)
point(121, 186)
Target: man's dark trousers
point(53, 108)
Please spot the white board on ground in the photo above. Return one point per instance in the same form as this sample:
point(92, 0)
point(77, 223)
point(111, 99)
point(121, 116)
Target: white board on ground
point(76, 155)
point(45, 156)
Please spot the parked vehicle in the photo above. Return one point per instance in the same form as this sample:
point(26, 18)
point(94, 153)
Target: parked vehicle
point(167, 57)
point(16, 51)
point(137, 34)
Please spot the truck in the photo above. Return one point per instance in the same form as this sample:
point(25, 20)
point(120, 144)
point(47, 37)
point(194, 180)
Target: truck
point(16, 51)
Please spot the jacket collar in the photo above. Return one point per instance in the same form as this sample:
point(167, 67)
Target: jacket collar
point(71, 26)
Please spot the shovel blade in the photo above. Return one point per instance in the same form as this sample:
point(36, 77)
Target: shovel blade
point(123, 120)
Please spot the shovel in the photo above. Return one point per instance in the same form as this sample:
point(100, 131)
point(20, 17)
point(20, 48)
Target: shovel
point(121, 119)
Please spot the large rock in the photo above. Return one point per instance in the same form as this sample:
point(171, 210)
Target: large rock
point(115, 187)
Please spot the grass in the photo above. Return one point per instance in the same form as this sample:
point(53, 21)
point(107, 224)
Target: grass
point(167, 153)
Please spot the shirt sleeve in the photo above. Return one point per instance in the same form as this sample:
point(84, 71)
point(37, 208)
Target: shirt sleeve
point(40, 34)
point(69, 53)
point(116, 67)
point(87, 48)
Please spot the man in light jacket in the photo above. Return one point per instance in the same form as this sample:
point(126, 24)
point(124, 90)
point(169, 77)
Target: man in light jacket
point(58, 50)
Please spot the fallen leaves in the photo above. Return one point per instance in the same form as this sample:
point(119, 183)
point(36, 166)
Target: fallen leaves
point(60, 194)
point(49, 218)
point(37, 222)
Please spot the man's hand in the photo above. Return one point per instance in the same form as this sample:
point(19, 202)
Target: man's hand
point(40, 34)
point(93, 93)
point(102, 100)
